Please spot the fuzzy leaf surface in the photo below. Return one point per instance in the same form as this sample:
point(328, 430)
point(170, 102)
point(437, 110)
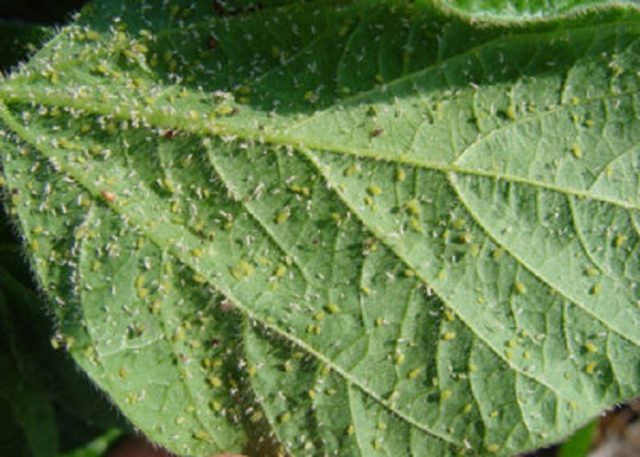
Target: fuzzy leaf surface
point(341, 228)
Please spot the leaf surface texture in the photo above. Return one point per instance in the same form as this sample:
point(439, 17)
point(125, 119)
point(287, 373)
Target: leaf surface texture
point(349, 228)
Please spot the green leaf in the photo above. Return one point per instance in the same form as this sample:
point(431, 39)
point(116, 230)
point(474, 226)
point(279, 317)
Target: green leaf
point(12, 440)
point(529, 11)
point(97, 447)
point(580, 443)
point(31, 412)
point(352, 228)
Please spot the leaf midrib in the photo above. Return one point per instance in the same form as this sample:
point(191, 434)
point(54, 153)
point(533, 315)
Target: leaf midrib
point(155, 118)
point(158, 119)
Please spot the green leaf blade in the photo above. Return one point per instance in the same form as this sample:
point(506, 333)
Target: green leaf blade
point(418, 239)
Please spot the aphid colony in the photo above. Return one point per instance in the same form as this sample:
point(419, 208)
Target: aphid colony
point(348, 213)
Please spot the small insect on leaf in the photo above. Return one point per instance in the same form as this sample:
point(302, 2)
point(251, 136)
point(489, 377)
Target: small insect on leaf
point(374, 190)
point(519, 288)
point(576, 150)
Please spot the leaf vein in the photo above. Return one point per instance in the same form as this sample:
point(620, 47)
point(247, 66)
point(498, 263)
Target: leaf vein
point(95, 193)
point(531, 270)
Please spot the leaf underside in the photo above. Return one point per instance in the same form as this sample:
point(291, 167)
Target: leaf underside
point(337, 227)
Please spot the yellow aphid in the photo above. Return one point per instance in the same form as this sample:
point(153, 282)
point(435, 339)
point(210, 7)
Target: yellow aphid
point(619, 240)
point(225, 110)
point(351, 170)
point(413, 374)
point(199, 279)
point(143, 292)
point(576, 150)
point(374, 190)
point(242, 270)
point(280, 271)
point(332, 308)
point(520, 288)
point(282, 217)
point(214, 381)
point(448, 336)
point(201, 435)
point(413, 207)
point(449, 315)
point(590, 347)
point(591, 271)
point(445, 395)
point(458, 224)
point(590, 368)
